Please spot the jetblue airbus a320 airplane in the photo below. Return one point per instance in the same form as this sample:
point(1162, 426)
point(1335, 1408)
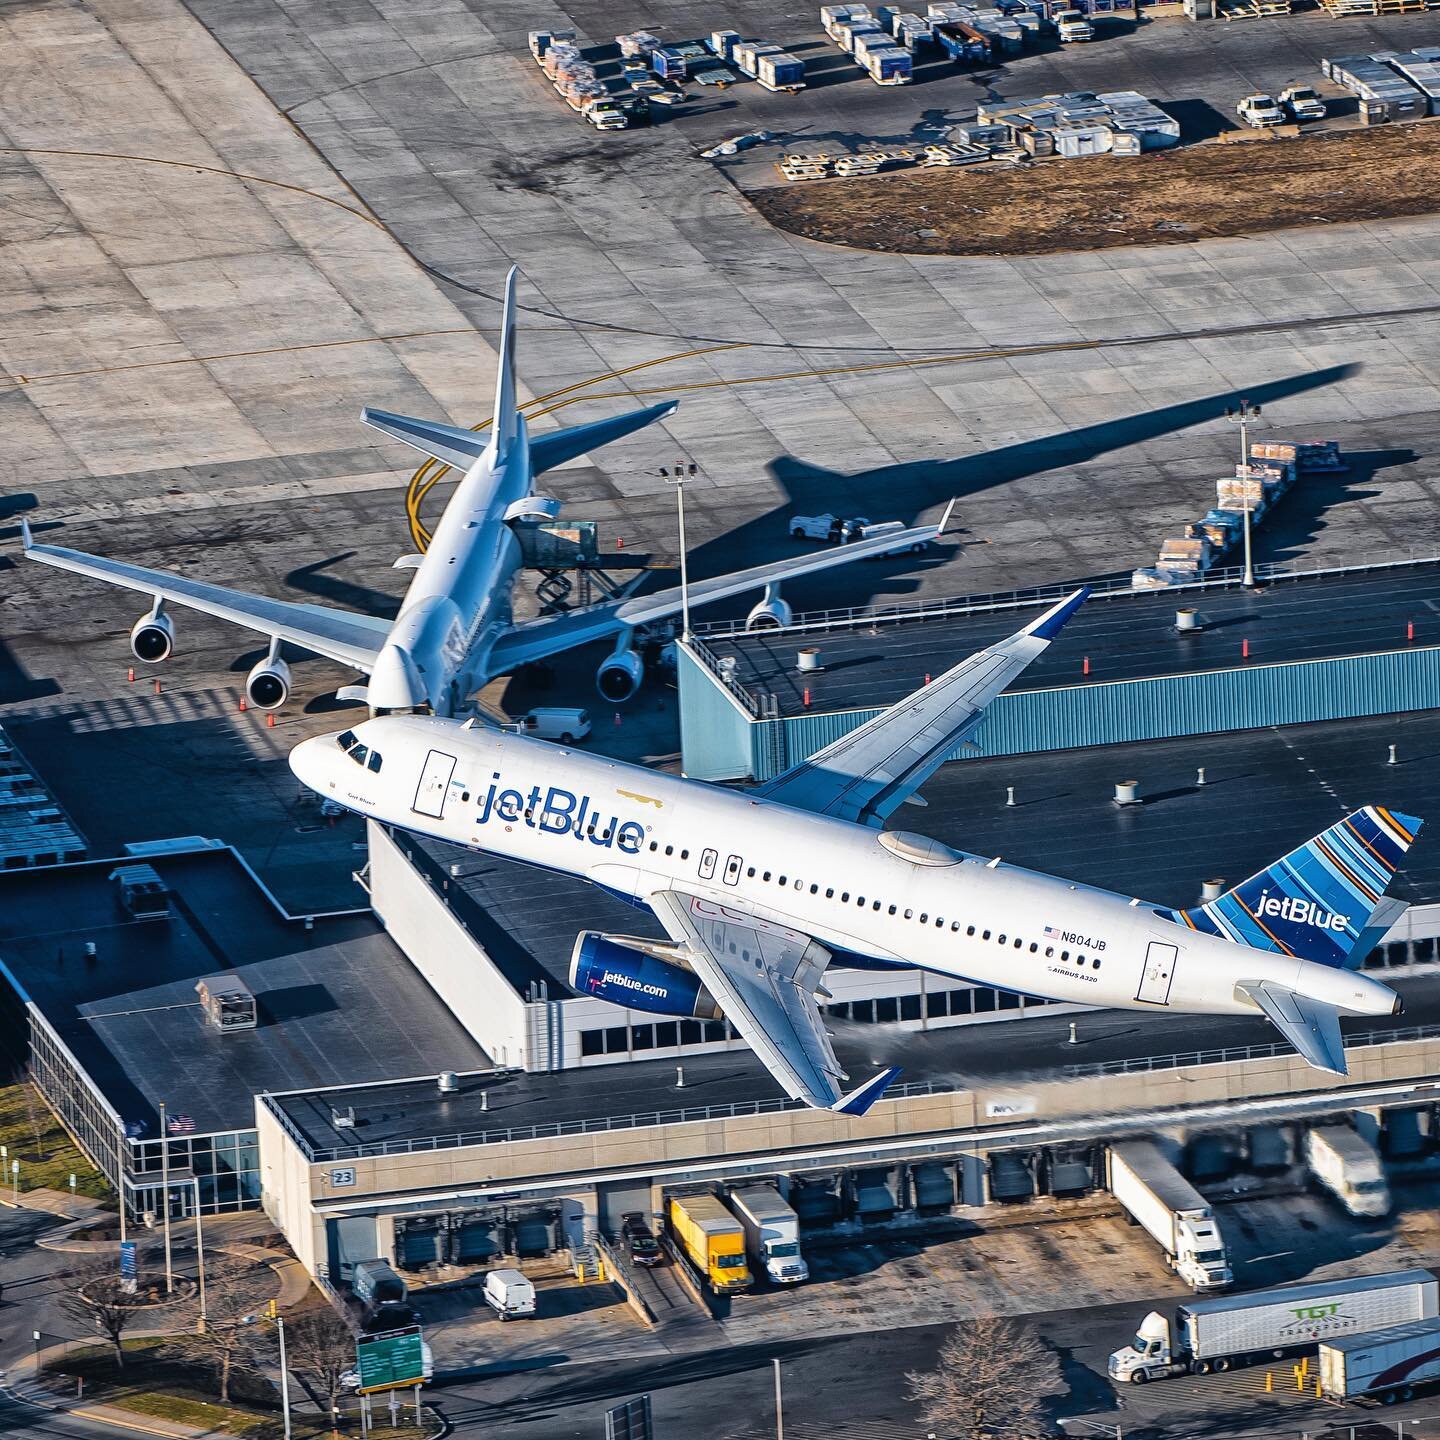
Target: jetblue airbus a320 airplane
point(760, 890)
point(455, 631)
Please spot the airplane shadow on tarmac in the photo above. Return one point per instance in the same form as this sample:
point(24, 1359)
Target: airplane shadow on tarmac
point(912, 488)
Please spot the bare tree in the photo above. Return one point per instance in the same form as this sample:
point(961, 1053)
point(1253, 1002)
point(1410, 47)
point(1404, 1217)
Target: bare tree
point(321, 1347)
point(236, 1294)
point(34, 1114)
point(93, 1297)
point(991, 1378)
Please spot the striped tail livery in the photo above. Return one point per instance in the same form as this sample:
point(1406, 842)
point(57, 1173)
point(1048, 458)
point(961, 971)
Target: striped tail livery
point(1315, 903)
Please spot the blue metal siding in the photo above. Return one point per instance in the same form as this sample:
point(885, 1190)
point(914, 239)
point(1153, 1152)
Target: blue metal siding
point(715, 735)
point(1078, 716)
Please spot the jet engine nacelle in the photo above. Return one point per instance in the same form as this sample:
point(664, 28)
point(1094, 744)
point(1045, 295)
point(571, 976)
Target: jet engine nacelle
point(770, 614)
point(153, 638)
point(607, 968)
point(620, 676)
point(268, 684)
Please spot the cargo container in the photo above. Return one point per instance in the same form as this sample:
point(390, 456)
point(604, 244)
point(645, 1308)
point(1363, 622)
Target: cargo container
point(542, 40)
point(713, 1240)
point(1220, 1334)
point(638, 46)
point(1158, 1197)
point(723, 42)
point(1347, 1165)
point(781, 71)
point(1388, 1364)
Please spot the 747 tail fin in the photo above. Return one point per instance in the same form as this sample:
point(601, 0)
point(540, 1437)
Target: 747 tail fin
point(1317, 902)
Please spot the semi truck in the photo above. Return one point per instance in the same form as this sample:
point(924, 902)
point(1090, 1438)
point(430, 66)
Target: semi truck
point(1167, 1206)
point(1235, 1330)
point(713, 1240)
point(1385, 1364)
point(1347, 1165)
point(772, 1233)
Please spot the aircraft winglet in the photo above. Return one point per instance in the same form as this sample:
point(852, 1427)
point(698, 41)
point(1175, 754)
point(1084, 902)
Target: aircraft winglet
point(26, 538)
point(1054, 620)
point(860, 1099)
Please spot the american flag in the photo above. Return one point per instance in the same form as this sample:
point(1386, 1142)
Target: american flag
point(180, 1125)
point(1051, 933)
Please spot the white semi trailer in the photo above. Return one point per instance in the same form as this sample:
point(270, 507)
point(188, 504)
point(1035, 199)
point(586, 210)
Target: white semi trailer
point(1349, 1167)
point(1162, 1201)
point(1386, 1364)
point(1238, 1329)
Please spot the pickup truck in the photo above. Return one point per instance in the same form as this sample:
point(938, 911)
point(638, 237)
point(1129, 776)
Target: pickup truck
point(1073, 27)
point(1302, 103)
point(1261, 111)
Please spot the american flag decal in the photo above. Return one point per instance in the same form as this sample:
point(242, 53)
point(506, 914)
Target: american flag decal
point(1051, 933)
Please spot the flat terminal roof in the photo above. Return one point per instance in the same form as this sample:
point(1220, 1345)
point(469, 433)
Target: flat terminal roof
point(1125, 637)
point(337, 1004)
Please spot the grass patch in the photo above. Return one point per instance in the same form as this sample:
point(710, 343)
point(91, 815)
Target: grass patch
point(48, 1156)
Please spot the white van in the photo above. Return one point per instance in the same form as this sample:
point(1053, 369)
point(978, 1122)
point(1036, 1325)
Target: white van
point(508, 1293)
point(555, 722)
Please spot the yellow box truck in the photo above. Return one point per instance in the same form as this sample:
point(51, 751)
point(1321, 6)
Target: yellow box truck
point(713, 1239)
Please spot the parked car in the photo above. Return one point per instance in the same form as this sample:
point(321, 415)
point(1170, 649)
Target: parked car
point(640, 1242)
point(1260, 111)
point(398, 1316)
point(1303, 103)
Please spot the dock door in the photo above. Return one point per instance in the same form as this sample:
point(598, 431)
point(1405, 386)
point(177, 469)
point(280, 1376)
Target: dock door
point(434, 781)
point(1159, 971)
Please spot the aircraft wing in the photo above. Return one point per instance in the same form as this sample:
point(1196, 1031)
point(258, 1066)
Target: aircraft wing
point(864, 775)
point(537, 639)
point(764, 977)
point(342, 635)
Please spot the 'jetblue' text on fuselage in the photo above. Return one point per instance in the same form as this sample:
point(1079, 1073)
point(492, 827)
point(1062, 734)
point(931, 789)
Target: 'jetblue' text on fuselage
point(560, 812)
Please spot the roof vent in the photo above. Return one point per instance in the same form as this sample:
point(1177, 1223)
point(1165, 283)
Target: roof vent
point(448, 1082)
point(919, 849)
point(228, 1003)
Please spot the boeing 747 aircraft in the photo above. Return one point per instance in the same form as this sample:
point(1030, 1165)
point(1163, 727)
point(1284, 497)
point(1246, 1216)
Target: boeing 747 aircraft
point(455, 631)
point(761, 890)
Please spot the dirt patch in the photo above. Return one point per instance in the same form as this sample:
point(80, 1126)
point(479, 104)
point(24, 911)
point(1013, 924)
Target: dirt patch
point(1166, 197)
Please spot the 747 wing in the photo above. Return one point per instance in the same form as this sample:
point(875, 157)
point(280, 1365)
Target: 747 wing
point(765, 977)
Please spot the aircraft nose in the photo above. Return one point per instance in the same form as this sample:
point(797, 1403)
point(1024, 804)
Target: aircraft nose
point(307, 762)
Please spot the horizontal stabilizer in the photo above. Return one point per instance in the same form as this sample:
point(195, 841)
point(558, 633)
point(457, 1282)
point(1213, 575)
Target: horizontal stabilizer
point(1311, 1026)
point(860, 1099)
point(548, 451)
point(1317, 902)
point(450, 444)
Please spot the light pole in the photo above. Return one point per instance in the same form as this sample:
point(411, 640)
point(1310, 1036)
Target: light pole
point(200, 1253)
point(682, 472)
point(1244, 416)
point(165, 1198)
point(779, 1407)
point(120, 1176)
point(284, 1378)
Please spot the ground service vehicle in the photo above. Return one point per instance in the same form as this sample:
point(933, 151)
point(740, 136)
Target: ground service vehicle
point(1302, 103)
point(605, 115)
point(822, 527)
point(1387, 1364)
point(1166, 1205)
point(1072, 26)
point(772, 1233)
point(1260, 111)
point(713, 1240)
point(1347, 1165)
point(509, 1294)
point(375, 1282)
point(555, 722)
point(640, 1242)
point(1238, 1329)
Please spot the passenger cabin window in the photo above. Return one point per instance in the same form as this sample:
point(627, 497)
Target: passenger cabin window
point(707, 863)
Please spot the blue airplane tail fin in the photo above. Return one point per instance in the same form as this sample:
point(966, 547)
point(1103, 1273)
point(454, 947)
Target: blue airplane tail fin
point(1315, 903)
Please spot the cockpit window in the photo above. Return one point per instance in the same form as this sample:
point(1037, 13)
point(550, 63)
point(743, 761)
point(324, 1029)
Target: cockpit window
point(375, 761)
point(346, 740)
point(359, 753)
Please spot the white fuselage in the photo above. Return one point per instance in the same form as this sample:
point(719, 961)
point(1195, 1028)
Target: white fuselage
point(636, 832)
point(460, 598)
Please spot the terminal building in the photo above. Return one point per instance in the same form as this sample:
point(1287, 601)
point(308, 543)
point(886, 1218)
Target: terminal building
point(416, 1080)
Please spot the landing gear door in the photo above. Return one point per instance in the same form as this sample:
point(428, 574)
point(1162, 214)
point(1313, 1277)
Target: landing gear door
point(434, 782)
point(1158, 973)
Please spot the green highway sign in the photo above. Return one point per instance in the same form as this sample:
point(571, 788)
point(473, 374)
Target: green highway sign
point(390, 1360)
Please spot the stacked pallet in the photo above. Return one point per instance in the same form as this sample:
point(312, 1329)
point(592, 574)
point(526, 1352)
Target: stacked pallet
point(33, 828)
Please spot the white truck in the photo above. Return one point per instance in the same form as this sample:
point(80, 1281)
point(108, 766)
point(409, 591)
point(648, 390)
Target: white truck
point(1072, 27)
point(1167, 1206)
point(1385, 1364)
point(1345, 1163)
point(772, 1233)
point(1235, 1330)
point(509, 1294)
